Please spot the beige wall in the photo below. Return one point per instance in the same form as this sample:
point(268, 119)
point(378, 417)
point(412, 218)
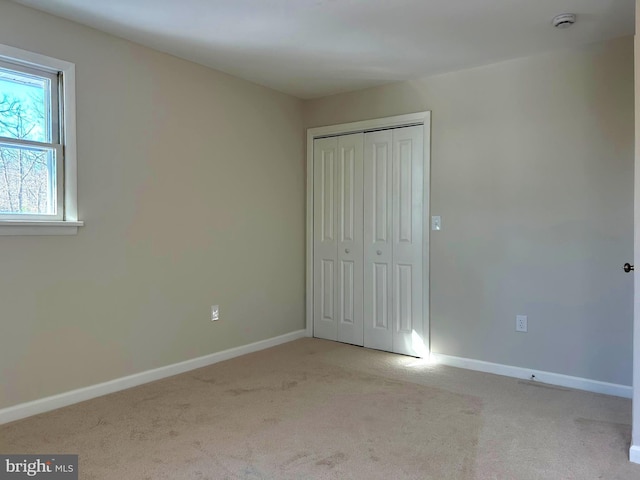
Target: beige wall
point(191, 184)
point(532, 173)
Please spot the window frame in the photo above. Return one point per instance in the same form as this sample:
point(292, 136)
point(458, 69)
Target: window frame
point(66, 222)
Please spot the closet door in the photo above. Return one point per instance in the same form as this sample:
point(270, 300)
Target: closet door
point(368, 239)
point(325, 244)
point(378, 245)
point(338, 249)
point(407, 233)
point(349, 236)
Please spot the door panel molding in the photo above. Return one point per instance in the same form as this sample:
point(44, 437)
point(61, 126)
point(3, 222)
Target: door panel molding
point(407, 244)
point(325, 244)
point(378, 244)
point(349, 225)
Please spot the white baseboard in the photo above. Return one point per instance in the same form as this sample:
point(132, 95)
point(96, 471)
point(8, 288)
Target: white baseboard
point(634, 454)
point(23, 410)
point(544, 377)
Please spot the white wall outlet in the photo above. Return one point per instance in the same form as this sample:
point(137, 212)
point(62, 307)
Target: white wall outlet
point(436, 222)
point(215, 313)
point(521, 323)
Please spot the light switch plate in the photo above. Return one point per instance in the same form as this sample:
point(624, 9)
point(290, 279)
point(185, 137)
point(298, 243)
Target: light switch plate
point(436, 222)
point(215, 313)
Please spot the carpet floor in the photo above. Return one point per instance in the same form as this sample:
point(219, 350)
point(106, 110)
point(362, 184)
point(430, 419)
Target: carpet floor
point(313, 409)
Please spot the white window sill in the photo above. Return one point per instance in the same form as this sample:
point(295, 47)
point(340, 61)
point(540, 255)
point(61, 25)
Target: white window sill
point(45, 227)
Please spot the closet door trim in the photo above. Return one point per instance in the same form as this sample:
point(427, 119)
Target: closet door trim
point(419, 118)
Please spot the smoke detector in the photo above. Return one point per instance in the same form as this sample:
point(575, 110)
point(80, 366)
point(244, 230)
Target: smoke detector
point(564, 20)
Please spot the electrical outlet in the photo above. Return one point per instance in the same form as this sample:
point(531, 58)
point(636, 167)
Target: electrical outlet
point(521, 323)
point(215, 313)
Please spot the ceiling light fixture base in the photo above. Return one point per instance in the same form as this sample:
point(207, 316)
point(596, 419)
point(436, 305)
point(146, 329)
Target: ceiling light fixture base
point(564, 20)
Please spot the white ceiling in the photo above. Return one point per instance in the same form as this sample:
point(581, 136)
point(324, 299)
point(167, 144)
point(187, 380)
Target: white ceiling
point(312, 48)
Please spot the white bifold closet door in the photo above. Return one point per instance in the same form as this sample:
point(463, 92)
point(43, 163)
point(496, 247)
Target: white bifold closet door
point(393, 267)
point(338, 246)
point(368, 240)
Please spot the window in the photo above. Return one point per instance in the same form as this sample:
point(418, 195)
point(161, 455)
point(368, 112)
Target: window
point(30, 147)
point(37, 145)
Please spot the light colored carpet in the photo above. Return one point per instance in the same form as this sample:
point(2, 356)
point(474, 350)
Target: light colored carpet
point(313, 409)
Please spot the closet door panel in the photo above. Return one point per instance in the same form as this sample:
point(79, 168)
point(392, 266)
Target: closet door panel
point(349, 235)
point(368, 239)
point(325, 238)
point(407, 218)
point(378, 248)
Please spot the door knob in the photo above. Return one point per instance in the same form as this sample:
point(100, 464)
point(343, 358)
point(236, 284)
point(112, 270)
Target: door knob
point(379, 252)
point(627, 267)
point(346, 250)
